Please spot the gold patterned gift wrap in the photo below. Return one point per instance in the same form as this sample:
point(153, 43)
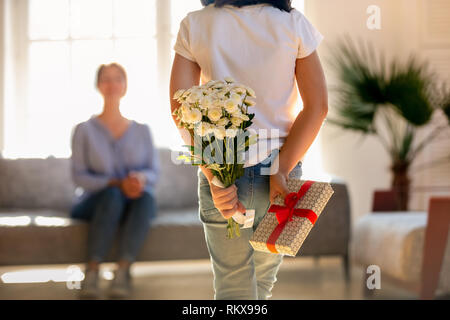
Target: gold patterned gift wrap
point(288, 222)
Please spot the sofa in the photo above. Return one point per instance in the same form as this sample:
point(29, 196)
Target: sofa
point(35, 226)
point(410, 248)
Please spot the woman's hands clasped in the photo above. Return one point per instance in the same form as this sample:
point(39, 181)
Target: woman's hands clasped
point(133, 185)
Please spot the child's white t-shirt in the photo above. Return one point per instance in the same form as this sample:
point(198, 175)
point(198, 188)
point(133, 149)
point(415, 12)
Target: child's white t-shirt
point(257, 45)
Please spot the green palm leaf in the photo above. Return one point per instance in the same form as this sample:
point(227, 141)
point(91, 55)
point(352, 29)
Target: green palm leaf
point(360, 89)
point(408, 91)
point(368, 86)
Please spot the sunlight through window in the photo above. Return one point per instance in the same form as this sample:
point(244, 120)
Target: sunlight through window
point(72, 273)
point(15, 221)
point(51, 221)
point(67, 40)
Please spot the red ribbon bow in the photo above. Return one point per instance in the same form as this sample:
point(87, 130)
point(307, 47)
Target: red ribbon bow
point(285, 213)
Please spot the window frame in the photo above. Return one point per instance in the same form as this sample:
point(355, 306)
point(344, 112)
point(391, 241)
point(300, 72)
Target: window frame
point(16, 14)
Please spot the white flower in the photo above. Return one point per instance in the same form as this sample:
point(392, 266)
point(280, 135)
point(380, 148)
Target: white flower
point(182, 110)
point(205, 102)
point(244, 117)
point(249, 102)
point(210, 128)
point(219, 132)
point(214, 114)
point(178, 94)
point(231, 106)
point(217, 103)
point(192, 116)
point(221, 94)
point(240, 115)
point(231, 133)
point(229, 79)
point(237, 113)
point(250, 92)
point(223, 122)
point(219, 85)
point(236, 121)
point(236, 98)
point(195, 96)
point(210, 83)
point(238, 89)
point(209, 102)
point(203, 128)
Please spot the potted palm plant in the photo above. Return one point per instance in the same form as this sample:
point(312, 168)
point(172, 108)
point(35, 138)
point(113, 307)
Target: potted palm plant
point(404, 95)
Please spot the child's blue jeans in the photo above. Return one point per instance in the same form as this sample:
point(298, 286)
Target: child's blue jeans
point(240, 272)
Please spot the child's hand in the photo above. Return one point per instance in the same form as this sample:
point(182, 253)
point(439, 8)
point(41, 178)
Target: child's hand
point(226, 200)
point(278, 186)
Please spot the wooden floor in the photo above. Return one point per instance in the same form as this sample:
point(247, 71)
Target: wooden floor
point(299, 278)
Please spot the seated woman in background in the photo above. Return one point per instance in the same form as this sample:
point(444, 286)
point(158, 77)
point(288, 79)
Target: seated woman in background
point(115, 162)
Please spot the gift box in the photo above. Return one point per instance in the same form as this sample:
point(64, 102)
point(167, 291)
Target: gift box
point(288, 221)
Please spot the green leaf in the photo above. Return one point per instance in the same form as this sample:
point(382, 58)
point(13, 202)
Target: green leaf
point(408, 92)
point(367, 85)
point(187, 159)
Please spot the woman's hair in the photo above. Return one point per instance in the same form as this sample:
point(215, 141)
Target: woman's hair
point(284, 5)
point(102, 67)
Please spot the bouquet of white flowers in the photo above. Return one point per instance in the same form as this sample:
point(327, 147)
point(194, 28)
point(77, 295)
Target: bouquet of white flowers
point(216, 115)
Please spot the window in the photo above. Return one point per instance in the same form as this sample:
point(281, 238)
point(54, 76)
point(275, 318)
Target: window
point(64, 42)
point(57, 46)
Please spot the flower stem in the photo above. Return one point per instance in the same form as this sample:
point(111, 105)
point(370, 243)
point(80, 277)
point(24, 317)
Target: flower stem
point(233, 228)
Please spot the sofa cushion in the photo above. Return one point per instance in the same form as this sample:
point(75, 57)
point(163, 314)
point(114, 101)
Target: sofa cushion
point(177, 186)
point(47, 183)
point(394, 241)
point(56, 218)
point(49, 237)
point(36, 183)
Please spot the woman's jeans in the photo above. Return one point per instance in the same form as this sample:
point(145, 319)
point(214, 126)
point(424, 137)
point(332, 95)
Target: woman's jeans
point(240, 272)
point(106, 210)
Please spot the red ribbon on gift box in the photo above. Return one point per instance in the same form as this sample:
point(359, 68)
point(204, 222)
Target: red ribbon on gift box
point(285, 213)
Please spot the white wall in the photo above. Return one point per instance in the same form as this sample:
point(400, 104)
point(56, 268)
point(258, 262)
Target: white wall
point(363, 163)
